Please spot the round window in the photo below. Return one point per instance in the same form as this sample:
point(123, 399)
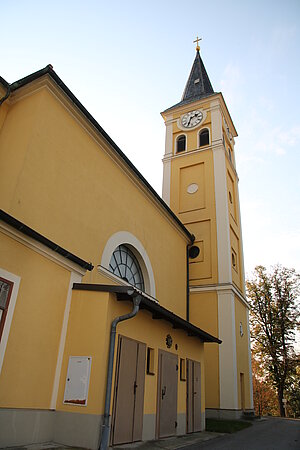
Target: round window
point(124, 264)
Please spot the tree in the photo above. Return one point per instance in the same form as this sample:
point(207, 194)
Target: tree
point(264, 395)
point(293, 389)
point(274, 318)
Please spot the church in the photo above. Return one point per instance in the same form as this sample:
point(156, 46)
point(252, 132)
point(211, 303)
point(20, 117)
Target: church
point(123, 314)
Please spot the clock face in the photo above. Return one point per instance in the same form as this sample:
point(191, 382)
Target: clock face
point(191, 119)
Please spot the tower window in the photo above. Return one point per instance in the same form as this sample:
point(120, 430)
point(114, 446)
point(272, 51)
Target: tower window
point(204, 138)
point(181, 144)
point(229, 154)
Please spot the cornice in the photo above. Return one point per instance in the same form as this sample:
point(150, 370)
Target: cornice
point(224, 288)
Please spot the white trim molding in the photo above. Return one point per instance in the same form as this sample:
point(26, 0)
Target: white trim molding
point(222, 216)
point(74, 278)
point(15, 279)
point(250, 363)
point(227, 352)
point(127, 238)
point(228, 287)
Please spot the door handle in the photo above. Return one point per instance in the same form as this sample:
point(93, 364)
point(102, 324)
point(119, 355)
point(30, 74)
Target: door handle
point(134, 387)
point(163, 392)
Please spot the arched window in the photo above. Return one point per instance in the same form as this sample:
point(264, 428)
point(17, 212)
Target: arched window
point(181, 143)
point(125, 265)
point(203, 137)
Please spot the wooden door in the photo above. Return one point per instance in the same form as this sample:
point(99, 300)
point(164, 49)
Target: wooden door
point(167, 394)
point(193, 393)
point(127, 423)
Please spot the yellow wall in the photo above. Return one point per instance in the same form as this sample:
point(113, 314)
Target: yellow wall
point(197, 211)
point(204, 314)
point(29, 365)
point(93, 312)
point(61, 182)
point(87, 335)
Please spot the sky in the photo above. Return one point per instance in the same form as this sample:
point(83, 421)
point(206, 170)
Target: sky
point(127, 61)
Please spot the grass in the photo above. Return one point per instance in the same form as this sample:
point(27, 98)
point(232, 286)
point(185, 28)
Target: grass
point(226, 426)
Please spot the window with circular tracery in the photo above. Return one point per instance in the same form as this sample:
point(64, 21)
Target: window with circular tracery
point(124, 264)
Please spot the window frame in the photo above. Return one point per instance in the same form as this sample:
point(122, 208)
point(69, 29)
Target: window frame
point(5, 309)
point(176, 143)
point(199, 137)
point(15, 280)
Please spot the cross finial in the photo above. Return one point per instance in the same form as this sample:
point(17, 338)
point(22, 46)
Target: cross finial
point(197, 40)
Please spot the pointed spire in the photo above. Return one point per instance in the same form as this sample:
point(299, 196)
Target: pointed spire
point(198, 84)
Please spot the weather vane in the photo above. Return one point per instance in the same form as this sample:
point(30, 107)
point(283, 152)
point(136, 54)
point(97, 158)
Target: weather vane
point(198, 46)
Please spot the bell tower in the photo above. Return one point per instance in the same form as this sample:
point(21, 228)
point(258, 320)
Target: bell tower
point(200, 184)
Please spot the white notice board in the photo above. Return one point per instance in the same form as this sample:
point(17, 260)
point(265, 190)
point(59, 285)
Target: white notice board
point(77, 382)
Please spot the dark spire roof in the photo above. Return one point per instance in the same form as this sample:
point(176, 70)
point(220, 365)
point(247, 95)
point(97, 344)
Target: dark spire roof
point(198, 85)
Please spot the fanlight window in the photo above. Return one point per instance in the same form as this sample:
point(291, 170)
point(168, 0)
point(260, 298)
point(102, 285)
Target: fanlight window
point(204, 137)
point(124, 264)
point(181, 144)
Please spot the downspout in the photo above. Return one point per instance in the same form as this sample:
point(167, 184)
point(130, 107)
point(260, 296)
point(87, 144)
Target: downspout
point(188, 278)
point(187, 285)
point(105, 427)
point(2, 100)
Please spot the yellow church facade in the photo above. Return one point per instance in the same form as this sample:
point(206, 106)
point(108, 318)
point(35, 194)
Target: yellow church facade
point(110, 329)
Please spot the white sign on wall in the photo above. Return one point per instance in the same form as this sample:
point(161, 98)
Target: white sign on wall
point(77, 382)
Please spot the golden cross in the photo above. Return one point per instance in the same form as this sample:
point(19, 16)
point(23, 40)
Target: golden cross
point(197, 40)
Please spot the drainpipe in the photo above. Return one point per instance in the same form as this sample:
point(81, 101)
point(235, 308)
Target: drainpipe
point(2, 100)
point(187, 284)
point(105, 427)
point(188, 278)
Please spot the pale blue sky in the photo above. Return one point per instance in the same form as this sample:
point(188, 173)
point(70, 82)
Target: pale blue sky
point(128, 60)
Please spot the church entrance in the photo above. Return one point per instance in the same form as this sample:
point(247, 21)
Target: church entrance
point(193, 396)
point(127, 420)
point(167, 394)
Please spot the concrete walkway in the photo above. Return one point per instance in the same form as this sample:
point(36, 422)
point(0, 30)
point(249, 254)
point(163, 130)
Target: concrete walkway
point(171, 443)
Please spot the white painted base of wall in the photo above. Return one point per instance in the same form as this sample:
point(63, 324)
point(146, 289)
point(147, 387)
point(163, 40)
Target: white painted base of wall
point(181, 424)
point(25, 426)
point(224, 414)
point(28, 426)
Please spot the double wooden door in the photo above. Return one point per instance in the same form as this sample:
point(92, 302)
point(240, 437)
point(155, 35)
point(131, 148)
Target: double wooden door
point(194, 422)
point(127, 421)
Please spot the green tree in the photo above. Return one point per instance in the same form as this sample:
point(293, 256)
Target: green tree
point(274, 318)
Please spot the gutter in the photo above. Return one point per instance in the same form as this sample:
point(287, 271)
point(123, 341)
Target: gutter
point(20, 226)
point(2, 100)
point(136, 298)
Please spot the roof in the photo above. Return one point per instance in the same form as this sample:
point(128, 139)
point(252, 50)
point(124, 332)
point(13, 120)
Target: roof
point(48, 70)
point(125, 293)
point(198, 85)
point(4, 82)
point(20, 226)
